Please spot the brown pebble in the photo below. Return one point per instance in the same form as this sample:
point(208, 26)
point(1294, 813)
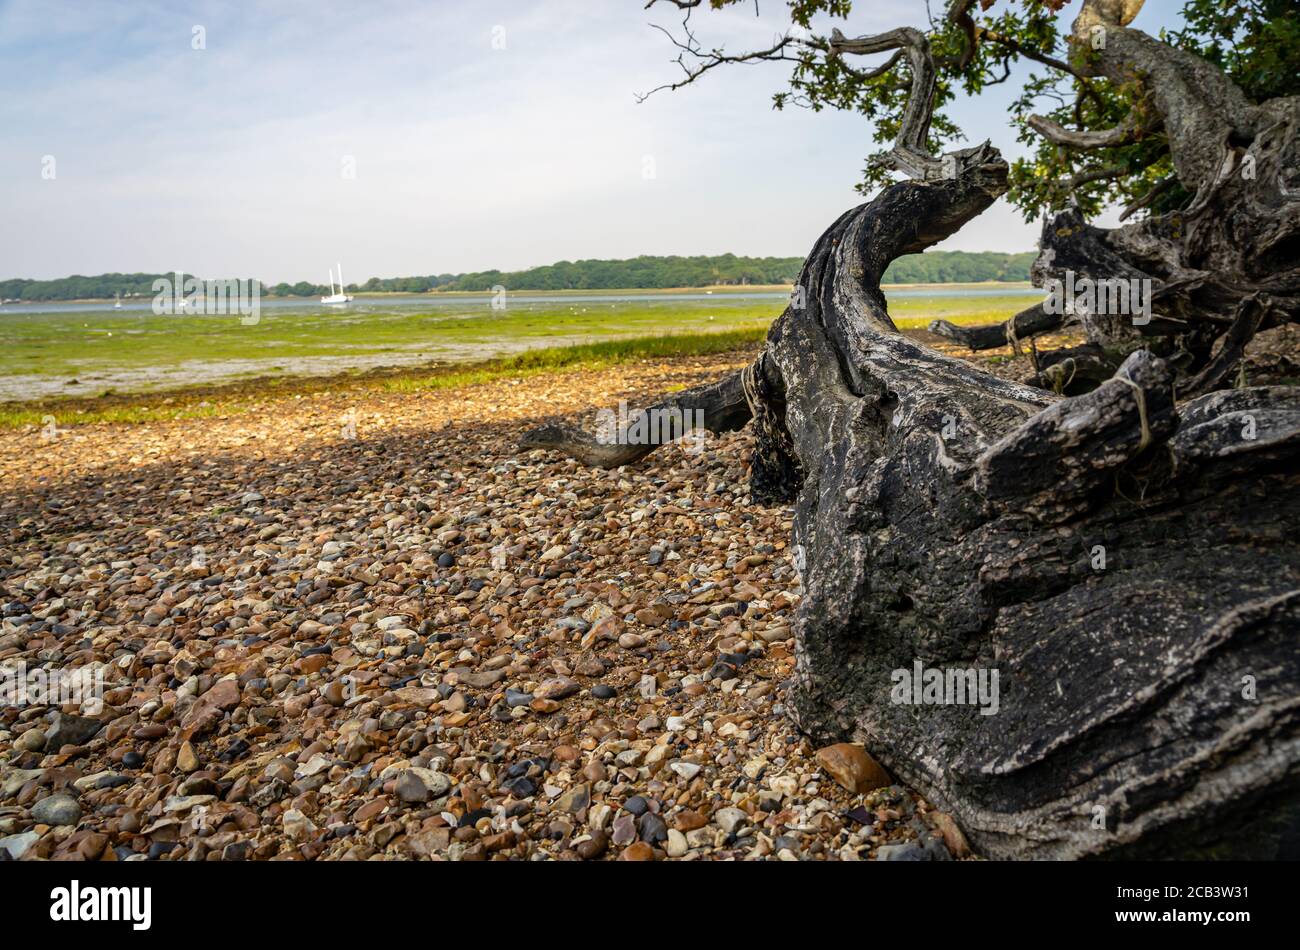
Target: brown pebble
point(689, 820)
point(187, 760)
point(594, 846)
point(851, 766)
point(953, 837)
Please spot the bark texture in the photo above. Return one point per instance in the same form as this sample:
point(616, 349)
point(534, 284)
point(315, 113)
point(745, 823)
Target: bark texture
point(1125, 565)
point(1026, 324)
point(722, 404)
point(961, 522)
point(1123, 557)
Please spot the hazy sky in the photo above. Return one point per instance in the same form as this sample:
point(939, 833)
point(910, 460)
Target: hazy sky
point(232, 160)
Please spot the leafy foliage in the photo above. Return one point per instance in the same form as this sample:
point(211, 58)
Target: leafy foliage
point(78, 287)
point(1256, 42)
point(730, 270)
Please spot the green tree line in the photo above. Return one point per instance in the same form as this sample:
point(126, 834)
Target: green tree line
point(78, 287)
point(936, 267)
point(638, 273)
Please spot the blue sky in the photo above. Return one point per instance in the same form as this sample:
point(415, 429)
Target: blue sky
point(230, 160)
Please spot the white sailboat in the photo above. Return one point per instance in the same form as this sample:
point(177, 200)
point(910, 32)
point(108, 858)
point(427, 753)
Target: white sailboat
point(117, 304)
point(339, 296)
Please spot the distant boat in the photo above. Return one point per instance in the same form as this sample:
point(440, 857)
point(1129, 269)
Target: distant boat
point(340, 296)
point(117, 304)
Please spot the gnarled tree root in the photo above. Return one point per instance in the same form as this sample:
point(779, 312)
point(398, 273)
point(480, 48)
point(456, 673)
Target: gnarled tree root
point(1123, 564)
point(717, 407)
point(1028, 323)
point(1145, 655)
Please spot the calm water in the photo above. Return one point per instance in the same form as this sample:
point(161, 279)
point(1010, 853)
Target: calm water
point(425, 302)
point(84, 349)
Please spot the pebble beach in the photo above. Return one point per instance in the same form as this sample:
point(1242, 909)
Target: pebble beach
point(364, 626)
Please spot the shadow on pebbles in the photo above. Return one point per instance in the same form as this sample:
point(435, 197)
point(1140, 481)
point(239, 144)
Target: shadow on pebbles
point(360, 625)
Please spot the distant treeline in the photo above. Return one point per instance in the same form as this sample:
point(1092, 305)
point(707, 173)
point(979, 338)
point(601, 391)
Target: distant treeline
point(959, 267)
point(645, 273)
point(936, 267)
point(77, 287)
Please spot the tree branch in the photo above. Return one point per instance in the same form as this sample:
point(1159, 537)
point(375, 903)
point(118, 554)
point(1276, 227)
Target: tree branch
point(1130, 130)
point(1250, 314)
point(1028, 323)
point(715, 58)
point(1089, 175)
point(1021, 50)
point(911, 153)
point(716, 407)
point(1145, 201)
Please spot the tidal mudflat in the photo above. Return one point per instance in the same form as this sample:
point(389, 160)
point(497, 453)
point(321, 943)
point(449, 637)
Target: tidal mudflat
point(81, 350)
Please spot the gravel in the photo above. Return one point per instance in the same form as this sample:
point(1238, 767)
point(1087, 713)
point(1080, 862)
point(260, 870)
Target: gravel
point(417, 643)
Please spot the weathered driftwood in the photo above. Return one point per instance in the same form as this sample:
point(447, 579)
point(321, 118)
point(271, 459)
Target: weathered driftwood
point(1130, 580)
point(722, 404)
point(1025, 325)
point(1128, 565)
point(1128, 577)
point(1073, 370)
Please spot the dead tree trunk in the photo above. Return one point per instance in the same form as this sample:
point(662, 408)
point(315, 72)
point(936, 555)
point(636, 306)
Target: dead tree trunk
point(1128, 577)
point(1122, 564)
point(1127, 565)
